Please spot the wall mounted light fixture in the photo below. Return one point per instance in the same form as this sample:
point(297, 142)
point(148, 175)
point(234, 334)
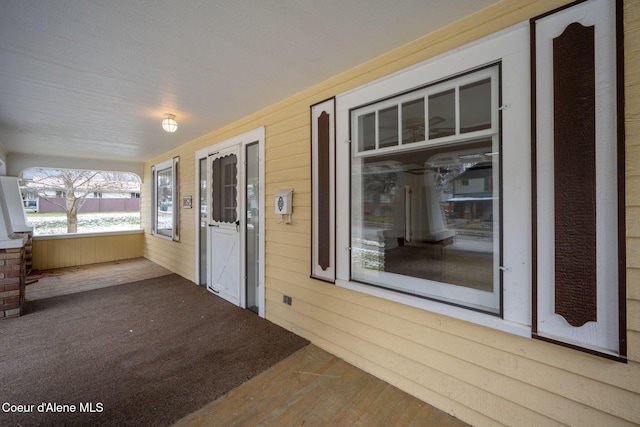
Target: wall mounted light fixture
point(169, 123)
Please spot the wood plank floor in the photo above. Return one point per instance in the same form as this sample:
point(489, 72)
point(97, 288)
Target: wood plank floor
point(310, 388)
point(315, 388)
point(69, 280)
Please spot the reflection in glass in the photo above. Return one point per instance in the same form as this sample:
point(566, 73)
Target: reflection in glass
point(388, 127)
point(367, 132)
point(442, 114)
point(430, 215)
point(253, 227)
point(202, 280)
point(413, 121)
point(475, 106)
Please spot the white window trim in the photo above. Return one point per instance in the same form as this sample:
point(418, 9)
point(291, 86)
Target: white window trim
point(173, 164)
point(446, 292)
point(601, 335)
point(511, 48)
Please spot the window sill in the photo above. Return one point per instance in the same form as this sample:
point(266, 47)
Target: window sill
point(165, 237)
point(89, 234)
point(467, 315)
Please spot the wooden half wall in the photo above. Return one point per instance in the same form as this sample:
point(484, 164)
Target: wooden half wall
point(81, 249)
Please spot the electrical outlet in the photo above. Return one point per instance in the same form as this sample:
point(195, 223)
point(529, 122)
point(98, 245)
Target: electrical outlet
point(287, 299)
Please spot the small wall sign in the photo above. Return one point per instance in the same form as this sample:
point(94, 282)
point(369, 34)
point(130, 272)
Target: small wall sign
point(187, 202)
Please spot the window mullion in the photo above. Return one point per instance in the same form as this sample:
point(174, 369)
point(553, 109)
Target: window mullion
point(457, 109)
point(400, 123)
point(427, 114)
point(376, 128)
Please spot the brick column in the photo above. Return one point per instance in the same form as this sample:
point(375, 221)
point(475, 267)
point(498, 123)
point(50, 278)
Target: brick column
point(28, 251)
point(12, 282)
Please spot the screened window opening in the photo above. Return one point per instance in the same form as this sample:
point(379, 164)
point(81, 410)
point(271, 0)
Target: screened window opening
point(425, 214)
point(224, 189)
point(59, 201)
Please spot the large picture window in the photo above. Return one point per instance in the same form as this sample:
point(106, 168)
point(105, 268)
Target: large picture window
point(165, 199)
point(473, 196)
point(437, 212)
point(425, 180)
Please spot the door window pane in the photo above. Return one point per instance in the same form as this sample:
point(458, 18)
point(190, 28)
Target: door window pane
point(253, 227)
point(224, 189)
point(202, 280)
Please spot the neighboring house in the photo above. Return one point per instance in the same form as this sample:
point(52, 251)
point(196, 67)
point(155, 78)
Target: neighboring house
point(120, 196)
point(533, 322)
point(473, 194)
point(30, 201)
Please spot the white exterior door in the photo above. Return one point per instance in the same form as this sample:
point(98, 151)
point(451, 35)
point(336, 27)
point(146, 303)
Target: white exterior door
point(225, 224)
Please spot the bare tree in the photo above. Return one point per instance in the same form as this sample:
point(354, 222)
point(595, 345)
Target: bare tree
point(74, 186)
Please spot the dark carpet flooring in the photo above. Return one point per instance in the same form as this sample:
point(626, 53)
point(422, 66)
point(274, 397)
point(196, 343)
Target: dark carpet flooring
point(144, 354)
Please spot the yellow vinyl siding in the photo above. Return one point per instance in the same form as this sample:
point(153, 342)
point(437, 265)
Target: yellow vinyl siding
point(424, 347)
point(65, 251)
point(632, 161)
point(481, 375)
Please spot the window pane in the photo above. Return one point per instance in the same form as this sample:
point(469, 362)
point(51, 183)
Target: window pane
point(164, 196)
point(388, 126)
point(202, 279)
point(230, 201)
point(442, 114)
point(367, 132)
point(426, 222)
point(413, 121)
point(253, 226)
point(475, 106)
point(224, 189)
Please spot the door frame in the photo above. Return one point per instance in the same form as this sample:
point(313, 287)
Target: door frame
point(256, 135)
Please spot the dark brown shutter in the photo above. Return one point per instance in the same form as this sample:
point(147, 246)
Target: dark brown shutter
point(324, 192)
point(575, 174)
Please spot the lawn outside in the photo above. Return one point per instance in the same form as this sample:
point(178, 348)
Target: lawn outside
point(56, 223)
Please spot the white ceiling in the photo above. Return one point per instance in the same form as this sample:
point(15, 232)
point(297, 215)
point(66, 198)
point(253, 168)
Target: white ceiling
point(92, 79)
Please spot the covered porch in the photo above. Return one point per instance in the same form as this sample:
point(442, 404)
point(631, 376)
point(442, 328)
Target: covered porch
point(309, 387)
point(274, 96)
